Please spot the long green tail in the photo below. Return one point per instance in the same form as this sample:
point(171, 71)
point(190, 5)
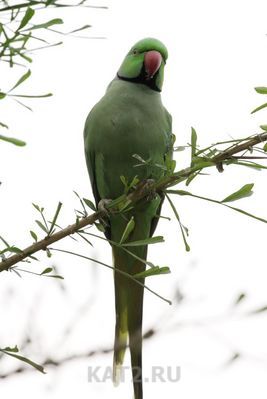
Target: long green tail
point(121, 327)
point(129, 314)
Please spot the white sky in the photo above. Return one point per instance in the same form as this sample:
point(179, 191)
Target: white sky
point(217, 56)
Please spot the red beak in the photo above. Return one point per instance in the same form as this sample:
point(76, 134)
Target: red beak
point(152, 63)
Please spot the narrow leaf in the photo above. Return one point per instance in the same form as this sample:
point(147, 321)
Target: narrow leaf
point(155, 271)
point(21, 80)
point(36, 207)
point(261, 90)
point(14, 250)
point(3, 125)
point(56, 276)
point(47, 270)
point(259, 310)
point(182, 192)
point(179, 148)
point(187, 247)
point(90, 204)
point(79, 29)
point(259, 108)
point(148, 241)
point(9, 349)
point(240, 298)
point(34, 235)
point(193, 142)
point(29, 96)
point(4, 241)
point(243, 192)
point(128, 229)
point(100, 227)
point(45, 25)
point(55, 217)
point(25, 360)
point(12, 140)
point(40, 224)
point(27, 17)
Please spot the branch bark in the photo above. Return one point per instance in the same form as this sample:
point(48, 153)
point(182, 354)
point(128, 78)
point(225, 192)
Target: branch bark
point(139, 193)
point(43, 244)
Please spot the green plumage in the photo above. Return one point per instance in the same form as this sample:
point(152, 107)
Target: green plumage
point(130, 119)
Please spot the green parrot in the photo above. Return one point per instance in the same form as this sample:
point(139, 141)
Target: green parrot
point(130, 122)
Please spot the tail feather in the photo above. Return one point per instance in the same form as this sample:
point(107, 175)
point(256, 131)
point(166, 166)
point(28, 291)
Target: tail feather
point(135, 309)
point(129, 314)
point(121, 327)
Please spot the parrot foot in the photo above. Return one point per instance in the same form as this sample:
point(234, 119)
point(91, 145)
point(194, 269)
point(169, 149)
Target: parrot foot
point(102, 206)
point(147, 189)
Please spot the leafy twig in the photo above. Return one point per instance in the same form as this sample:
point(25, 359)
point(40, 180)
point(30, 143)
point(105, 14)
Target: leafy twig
point(225, 157)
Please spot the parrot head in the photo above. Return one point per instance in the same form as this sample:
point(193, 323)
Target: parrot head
point(145, 64)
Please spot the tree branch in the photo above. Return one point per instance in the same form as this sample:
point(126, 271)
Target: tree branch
point(142, 190)
point(43, 244)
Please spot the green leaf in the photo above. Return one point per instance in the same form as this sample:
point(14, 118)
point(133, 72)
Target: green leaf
point(128, 229)
point(265, 147)
point(4, 241)
point(136, 156)
point(90, 204)
point(8, 349)
point(12, 140)
point(3, 125)
point(31, 96)
point(183, 229)
point(191, 177)
point(27, 17)
point(243, 192)
point(36, 207)
point(155, 271)
point(34, 235)
point(240, 298)
point(79, 29)
point(14, 250)
point(40, 224)
point(170, 164)
point(47, 270)
point(100, 227)
point(25, 360)
point(259, 108)
point(259, 310)
point(45, 25)
point(2, 95)
point(249, 164)
point(21, 79)
point(55, 218)
point(193, 142)
point(264, 127)
point(134, 182)
point(148, 241)
point(48, 253)
point(81, 202)
point(123, 180)
point(182, 192)
point(179, 148)
point(261, 90)
point(56, 276)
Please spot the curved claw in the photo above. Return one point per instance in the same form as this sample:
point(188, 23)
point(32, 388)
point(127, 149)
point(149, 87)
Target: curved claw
point(102, 206)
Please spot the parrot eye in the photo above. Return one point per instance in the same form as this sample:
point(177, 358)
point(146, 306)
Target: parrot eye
point(135, 52)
